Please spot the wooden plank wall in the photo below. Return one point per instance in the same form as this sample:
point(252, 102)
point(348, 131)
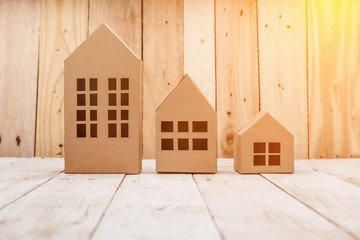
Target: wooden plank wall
point(334, 77)
point(296, 59)
point(19, 41)
point(236, 68)
point(64, 25)
point(282, 65)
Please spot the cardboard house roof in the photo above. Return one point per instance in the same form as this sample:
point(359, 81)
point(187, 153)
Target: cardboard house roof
point(102, 32)
point(259, 116)
point(186, 81)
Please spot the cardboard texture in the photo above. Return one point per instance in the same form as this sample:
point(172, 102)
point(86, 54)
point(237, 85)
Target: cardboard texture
point(186, 129)
point(103, 106)
point(264, 146)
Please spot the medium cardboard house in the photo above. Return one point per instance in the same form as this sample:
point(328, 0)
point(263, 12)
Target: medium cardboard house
point(103, 106)
point(264, 146)
point(186, 131)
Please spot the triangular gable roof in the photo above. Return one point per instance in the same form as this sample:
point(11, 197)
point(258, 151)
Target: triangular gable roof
point(183, 80)
point(255, 119)
point(109, 33)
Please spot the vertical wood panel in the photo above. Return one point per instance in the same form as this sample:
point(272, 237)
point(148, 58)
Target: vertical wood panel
point(123, 17)
point(283, 82)
point(64, 25)
point(236, 62)
point(163, 41)
point(19, 34)
point(199, 46)
point(334, 77)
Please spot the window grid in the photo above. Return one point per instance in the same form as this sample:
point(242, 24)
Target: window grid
point(266, 153)
point(86, 110)
point(118, 107)
point(176, 135)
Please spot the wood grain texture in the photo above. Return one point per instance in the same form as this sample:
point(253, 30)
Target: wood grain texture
point(331, 197)
point(163, 42)
point(123, 17)
point(334, 78)
point(157, 206)
point(64, 25)
point(19, 34)
point(67, 207)
point(236, 67)
point(20, 176)
point(345, 169)
point(251, 207)
point(199, 46)
point(283, 84)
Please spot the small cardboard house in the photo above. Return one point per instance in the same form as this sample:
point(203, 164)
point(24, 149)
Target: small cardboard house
point(264, 146)
point(186, 131)
point(103, 106)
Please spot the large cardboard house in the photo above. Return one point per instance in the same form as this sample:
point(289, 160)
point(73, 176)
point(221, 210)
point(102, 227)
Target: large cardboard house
point(103, 106)
point(186, 131)
point(264, 146)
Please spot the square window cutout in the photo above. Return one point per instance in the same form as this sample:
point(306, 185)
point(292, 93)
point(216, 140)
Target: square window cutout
point(200, 144)
point(259, 147)
point(167, 126)
point(124, 99)
point(259, 160)
point(93, 115)
point(183, 144)
point(124, 84)
point(81, 99)
point(80, 115)
point(81, 130)
point(80, 84)
point(183, 126)
point(111, 114)
point(93, 84)
point(167, 144)
point(112, 130)
point(112, 99)
point(124, 114)
point(112, 83)
point(199, 126)
point(93, 130)
point(274, 147)
point(124, 130)
point(274, 160)
point(93, 100)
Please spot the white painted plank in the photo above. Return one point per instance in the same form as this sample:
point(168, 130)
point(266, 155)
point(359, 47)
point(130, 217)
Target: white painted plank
point(335, 199)
point(250, 207)
point(18, 176)
point(345, 169)
point(157, 206)
point(67, 207)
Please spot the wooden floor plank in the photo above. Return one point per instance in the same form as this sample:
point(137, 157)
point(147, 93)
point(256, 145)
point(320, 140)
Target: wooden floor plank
point(345, 169)
point(331, 197)
point(19, 176)
point(67, 207)
point(250, 207)
point(157, 206)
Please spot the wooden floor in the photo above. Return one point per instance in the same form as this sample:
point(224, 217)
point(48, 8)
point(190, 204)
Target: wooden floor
point(320, 201)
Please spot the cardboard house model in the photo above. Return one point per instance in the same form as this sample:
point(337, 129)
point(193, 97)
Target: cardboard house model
point(186, 131)
point(264, 146)
point(103, 106)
